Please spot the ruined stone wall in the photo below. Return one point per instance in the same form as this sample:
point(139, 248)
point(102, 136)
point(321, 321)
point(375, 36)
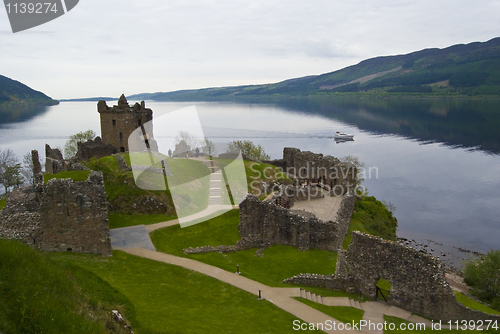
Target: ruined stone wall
point(418, 282)
point(304, 165)
point(119, 121)
point(19, 219)
point(344, 214)
point(94, 149)
point(54, 161)
point(333, 282)
point(265, 224)
point(73, 216)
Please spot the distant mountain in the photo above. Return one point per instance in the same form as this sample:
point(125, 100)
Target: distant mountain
point(16, 94)
point(460, 70)
point(19, 102)
point(89, 99)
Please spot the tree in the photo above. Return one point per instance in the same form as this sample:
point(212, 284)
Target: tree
point(483, 275)
point(249, 148)
point(191, 140)
point(12, 177)
point(71, 146)
point(27, 170)
point(209, 147)
point(10, 170)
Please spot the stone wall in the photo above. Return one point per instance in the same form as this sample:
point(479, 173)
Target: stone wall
point(306, 165)
point(344, 215)
point(94, 149)
point(265, 224)
point(59, 216)
point(333, 282)
point(417, 279)
point(74, 216)
point(119, 121)
point(54, 162)
point(19, 219)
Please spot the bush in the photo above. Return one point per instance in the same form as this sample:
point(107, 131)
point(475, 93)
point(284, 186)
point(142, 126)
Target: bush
point(71, 146)
point(483, 275)
point(249, 148)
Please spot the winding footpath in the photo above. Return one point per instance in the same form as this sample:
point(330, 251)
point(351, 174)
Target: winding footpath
point(135, 240)
point(283, 298)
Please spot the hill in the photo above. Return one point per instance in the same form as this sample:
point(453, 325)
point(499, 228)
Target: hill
point(13, 92)
point(18, 101)
point(459, 70)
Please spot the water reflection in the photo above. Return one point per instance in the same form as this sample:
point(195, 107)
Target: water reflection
point(19, 114)
point(472, 124)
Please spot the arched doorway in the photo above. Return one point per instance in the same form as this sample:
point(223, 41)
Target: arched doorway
point(383, 289)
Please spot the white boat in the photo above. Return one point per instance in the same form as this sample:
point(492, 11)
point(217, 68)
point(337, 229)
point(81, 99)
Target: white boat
point(342, 136)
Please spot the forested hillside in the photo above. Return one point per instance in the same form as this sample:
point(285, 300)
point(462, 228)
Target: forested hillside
point(460, 70)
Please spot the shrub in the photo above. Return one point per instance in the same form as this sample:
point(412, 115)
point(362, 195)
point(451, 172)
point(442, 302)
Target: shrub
point(483, 275)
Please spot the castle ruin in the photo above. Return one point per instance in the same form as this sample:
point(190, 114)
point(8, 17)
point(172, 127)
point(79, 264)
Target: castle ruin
point(62, 215)
point(306, 166)
point(118, 123)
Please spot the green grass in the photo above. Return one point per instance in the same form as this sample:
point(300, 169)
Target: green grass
point(345, 314)
point(39, 296)
point(385, 285)
point(171, 299)
point(221, 230)
point(463, 299)
point(3, 201)
point(278, 262)
point(398, 321)
point(354, 225)
point(372, 217)
point(117, 220)
point(79, 175)
point(121, 190)
point(257, 172)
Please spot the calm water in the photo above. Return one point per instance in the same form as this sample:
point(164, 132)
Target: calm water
point(438, 161)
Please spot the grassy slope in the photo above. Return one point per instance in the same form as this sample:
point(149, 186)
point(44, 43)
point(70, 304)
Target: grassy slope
point(343, 313)
point(38, 296)
point(372, 217)
point(2, 203)
point(257, 172)
point(171, 299)
point(117, 220)
point(121, 191)
point(461, 298)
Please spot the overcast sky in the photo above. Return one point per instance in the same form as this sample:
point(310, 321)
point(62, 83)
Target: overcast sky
point(109, 47)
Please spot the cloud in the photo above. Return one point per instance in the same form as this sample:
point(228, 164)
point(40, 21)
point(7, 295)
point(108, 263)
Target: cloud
point(156, 45)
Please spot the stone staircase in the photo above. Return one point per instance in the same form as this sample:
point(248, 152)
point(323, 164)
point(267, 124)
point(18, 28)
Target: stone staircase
point(330, 301)
point(215, 183)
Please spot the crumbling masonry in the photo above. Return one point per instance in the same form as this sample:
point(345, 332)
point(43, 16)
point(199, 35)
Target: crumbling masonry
point(62, 215)
point(417, 279)
point(118, 123)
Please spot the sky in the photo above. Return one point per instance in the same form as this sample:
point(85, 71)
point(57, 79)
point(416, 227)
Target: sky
point(110, 47)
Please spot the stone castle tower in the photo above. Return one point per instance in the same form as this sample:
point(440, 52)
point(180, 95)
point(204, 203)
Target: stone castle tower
point(119, 121)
